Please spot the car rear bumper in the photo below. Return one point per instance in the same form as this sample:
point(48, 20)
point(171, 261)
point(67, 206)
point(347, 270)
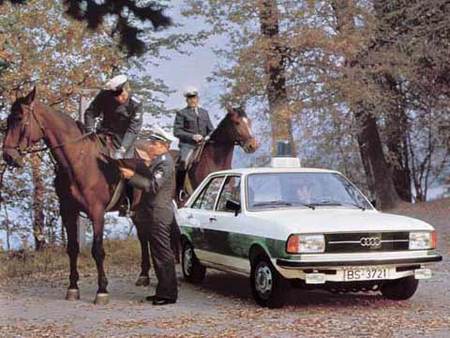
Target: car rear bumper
point(333, 266)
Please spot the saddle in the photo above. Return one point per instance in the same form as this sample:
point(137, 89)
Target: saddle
point(192, 161)
point(124, 197)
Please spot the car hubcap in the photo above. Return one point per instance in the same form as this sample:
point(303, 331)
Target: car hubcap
point(187, 261)
point(263, 281)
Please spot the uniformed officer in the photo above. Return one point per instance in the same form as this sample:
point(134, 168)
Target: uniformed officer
point(120, 113)
point(156, 212)
point(192, 125)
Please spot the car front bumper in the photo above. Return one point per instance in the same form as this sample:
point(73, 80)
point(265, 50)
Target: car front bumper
point(331, 267)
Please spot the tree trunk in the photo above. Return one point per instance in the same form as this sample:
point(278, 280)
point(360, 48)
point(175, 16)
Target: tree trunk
point(377, 170)
point(275, 67)
point(38, 203)
point(396, 141)
point(396, 127)
point(372, 150)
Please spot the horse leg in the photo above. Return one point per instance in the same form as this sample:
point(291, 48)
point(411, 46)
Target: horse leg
point(69, 211)
point(69, 216)
point(98, 253)
point(144, 278)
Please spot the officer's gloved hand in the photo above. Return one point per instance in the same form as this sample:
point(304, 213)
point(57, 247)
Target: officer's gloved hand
point(197, 138)
point(119, 153)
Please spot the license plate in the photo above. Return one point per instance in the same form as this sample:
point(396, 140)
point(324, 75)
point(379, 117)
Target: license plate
point(366, 273)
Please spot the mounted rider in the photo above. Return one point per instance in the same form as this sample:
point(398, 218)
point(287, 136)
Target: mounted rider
point(192, 125)
point(120, 113)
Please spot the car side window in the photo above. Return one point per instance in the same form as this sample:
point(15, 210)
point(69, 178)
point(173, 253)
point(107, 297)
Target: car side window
point(208, 195)
point(231, 191)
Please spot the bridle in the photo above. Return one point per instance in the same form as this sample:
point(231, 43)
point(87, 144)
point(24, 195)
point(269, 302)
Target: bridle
point(29, 149)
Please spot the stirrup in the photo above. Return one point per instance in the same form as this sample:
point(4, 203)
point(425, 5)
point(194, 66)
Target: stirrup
point(182, 195)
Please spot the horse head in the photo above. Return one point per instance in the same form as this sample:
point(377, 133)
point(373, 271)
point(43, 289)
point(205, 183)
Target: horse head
point(23, 129)
point(237, 127)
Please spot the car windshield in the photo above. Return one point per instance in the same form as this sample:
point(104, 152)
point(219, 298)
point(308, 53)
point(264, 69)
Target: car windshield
point(305, 190)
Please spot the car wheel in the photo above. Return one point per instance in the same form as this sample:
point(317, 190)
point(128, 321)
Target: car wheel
point(400, 289)
point(268, 286)
point(193, 271)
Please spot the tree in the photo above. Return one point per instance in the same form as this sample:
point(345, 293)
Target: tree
point(123, 13)
point(352, 73)
point(275, 68)
point(413, 45)
point(62, 57)
point(371, 147)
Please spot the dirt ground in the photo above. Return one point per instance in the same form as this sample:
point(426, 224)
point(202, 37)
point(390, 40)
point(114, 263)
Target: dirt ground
point(222, 306)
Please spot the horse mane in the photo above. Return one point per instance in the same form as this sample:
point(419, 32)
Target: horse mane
point(66, 118)
point(220, 127)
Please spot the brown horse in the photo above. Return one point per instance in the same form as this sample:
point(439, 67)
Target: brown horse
point(217, 154)
point(234, 129)
point(84, 177)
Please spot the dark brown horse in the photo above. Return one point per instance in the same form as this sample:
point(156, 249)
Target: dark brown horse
point(234, 129)
point(84, 177)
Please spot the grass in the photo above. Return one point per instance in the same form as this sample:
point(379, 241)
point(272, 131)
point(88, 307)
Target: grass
point(119, 253)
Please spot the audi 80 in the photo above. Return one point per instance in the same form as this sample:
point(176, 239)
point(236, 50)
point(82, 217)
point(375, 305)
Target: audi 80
point(290, 226)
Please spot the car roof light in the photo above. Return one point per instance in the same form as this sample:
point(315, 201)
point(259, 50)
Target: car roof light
point(285, 162)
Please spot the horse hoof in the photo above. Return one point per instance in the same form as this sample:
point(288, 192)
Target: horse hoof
point(73, 294)
point(101, 299)
point(143, 281)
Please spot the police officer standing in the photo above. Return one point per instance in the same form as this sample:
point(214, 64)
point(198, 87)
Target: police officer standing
point(156, 213)
point(192, 125)
point(120, 113)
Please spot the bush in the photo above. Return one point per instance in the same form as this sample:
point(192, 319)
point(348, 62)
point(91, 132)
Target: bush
point(22, 263)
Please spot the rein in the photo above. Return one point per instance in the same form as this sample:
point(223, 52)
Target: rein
point(45, 148)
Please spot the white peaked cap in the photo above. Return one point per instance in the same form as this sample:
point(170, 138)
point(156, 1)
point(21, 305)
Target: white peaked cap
point(162, 135)
point(116, 82)
point(190, 91)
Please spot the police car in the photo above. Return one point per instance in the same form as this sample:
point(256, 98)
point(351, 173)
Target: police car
point(290, 226)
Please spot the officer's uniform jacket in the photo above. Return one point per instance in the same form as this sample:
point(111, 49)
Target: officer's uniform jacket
point(123, 121)
point(188, 123)
point(158, 183)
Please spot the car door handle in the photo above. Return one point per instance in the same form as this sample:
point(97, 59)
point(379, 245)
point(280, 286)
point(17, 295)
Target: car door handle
point(190, 216)
point(212, 219)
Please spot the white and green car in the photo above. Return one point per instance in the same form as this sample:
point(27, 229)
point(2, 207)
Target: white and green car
point(307, 228)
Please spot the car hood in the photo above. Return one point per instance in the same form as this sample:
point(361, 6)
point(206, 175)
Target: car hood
point(327, 220)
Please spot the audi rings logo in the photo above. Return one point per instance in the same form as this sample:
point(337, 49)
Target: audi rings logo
point(373, 242)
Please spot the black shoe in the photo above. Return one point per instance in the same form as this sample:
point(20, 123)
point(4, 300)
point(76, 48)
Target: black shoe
point(163, 301)
point(150, 298)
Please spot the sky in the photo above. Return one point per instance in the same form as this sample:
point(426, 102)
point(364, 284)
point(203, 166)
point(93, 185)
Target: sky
point(182, 71)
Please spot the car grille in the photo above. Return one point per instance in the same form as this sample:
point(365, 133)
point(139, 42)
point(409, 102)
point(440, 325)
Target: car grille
point(366, 242)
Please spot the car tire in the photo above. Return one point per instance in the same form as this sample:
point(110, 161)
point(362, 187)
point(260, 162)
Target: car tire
point(268, 286)
point(400, 289)
point(193, 271)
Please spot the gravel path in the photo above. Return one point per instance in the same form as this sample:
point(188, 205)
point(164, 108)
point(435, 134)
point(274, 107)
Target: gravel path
point(223, 306)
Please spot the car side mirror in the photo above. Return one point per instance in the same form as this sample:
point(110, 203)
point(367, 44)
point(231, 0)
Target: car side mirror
point(234, 206)
point(374, 203)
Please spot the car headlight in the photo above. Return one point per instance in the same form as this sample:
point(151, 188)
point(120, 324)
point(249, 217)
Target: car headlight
point(305, 244)
point(420, 240)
